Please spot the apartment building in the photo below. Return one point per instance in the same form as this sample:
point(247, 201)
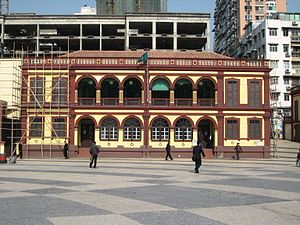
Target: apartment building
point(276, 39)
point(231, 17)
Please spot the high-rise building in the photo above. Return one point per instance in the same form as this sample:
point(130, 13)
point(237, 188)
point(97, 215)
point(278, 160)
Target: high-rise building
point(278, 40)
point(231, 17)
point(120, 7)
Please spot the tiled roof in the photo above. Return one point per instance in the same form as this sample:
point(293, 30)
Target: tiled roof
point(152, 54)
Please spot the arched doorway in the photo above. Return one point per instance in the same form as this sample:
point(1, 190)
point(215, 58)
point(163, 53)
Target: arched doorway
point(206, 133)
point(183, 93)
point(87, 132)
point(160, 93)
point(109, 92)
point(87, 92)
point(132, 92)
point(206, 93)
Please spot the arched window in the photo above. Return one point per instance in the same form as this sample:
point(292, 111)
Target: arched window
point(132, 130)
point(160, 130)
point(160, 92)
point(132, 92)
point(109, 129)
point(183, 130)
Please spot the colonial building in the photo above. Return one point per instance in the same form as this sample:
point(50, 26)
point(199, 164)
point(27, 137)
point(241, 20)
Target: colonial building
point(132, 109)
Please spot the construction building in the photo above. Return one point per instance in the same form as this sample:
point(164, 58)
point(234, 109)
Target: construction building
point(231, 17)
point(40, 35)
point(132, 109)
point(121, 7)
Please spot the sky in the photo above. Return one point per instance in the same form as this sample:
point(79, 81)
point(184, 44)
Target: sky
point(58, 7)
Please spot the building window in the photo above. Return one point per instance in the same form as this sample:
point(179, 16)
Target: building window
point(296, 110)
point(273, 64)
point(286, 97)
point(132, 130)
point(59, 90)
point(109, 129)
point(254, 129)
point(285, 32)
point(232, 93)
point(232, 129)
point(273, 47)
point(37, 90)
point(286, 80)
point(286, 64)
point(59, 127)
point(274, 80)
point(263, 33)
point(160, 130)
point(274, 96)
point(254, 94)
point(183, 130)
point(272, 32)
point(286, 48)
point(36, 127)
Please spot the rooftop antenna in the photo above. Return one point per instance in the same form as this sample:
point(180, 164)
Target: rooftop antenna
point(4, 7)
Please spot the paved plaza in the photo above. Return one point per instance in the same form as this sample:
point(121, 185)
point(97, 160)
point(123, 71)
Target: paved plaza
point(150, 192)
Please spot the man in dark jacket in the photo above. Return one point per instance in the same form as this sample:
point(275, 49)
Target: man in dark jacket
point(298, 159)
point(238, 149)
point(94, 150)
point(168, 151)
point(66, 150)
point(197, 152)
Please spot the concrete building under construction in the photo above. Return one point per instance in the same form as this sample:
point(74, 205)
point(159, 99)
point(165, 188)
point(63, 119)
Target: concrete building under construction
point(40, 34)
point(120, 7)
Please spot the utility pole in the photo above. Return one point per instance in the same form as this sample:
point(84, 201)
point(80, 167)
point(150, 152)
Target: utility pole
point(4, 7)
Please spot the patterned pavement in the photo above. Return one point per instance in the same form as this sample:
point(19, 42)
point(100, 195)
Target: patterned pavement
point(149, 192)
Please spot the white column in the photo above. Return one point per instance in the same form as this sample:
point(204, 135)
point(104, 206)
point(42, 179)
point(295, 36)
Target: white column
point(154, 35)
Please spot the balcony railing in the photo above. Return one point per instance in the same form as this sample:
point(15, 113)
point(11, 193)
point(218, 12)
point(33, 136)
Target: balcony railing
point(109, 101)
point(183, 102)
point(160, 101)
point(206, 102)
point(132, 101)
point(87, 101)
point(295, 39)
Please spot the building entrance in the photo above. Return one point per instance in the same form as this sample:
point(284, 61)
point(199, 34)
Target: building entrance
point(206, 133)
point(87, 132)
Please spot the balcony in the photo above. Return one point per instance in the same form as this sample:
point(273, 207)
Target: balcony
point(183, 102)
point(160, 101)
point(109, 101)
point(206, 102)
point(132, 101)
point(295, 39)
point(87, 101)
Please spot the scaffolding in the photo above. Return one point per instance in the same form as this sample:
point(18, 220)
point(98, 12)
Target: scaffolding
point(37, 112)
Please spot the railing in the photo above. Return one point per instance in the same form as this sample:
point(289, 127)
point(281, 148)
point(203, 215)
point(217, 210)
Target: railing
point(86, 101)
point(183, 102)
point(206, 102)
point(160, 101)
point(132, 101)
point(295, 39)
point(109, 101)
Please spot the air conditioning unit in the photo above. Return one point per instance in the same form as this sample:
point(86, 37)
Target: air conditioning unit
point(288, 88)
point(295, 23)
point(287, 71)
point(287, 54)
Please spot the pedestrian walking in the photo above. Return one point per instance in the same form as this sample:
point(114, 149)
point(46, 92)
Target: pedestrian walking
point(66, 150)
point(197, 152)
point(94, 150)
point(238, 149)
point(168, 151)
point(298, 159)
